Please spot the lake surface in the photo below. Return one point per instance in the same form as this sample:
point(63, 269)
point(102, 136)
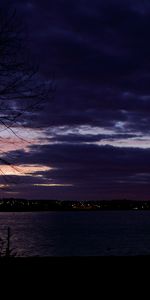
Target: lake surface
point(77, 233)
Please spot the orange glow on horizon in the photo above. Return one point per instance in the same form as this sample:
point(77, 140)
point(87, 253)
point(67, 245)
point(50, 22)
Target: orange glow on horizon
point(23, 170)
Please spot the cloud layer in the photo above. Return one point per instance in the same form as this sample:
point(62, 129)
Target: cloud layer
point(96, 129)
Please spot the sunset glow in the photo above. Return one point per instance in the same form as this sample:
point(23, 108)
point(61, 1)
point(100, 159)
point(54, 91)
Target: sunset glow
point(23, 170)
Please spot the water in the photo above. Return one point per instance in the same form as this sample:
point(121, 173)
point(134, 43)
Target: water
point(78, 233)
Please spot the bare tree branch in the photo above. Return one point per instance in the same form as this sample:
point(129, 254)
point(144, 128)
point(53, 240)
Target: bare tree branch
point(22, 88)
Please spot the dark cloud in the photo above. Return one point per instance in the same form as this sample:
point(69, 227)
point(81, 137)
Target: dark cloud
point(89, 138)
point(99, 50)
point(100, 53)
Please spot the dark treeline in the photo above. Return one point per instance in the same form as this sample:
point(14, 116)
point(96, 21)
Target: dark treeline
point(54, 205)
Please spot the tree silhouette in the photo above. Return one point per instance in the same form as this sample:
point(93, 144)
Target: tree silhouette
point(22, 88)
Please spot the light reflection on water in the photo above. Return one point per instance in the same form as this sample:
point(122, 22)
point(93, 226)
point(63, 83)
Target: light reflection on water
point(78, 233)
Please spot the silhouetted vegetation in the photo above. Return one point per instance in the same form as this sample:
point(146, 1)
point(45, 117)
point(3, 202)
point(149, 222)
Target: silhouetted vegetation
point(5, 245)
point(22, 88)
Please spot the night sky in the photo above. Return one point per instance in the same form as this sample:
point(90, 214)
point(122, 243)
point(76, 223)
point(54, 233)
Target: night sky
point(92, 140)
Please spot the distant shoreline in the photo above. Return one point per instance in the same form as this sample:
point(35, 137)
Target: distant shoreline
point(23, 205)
